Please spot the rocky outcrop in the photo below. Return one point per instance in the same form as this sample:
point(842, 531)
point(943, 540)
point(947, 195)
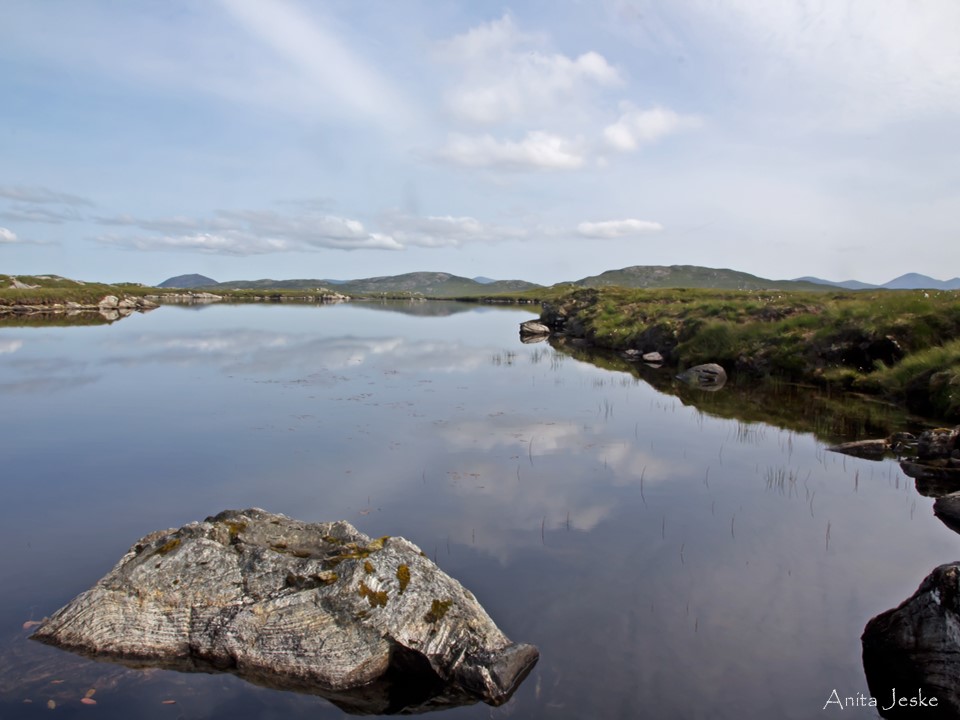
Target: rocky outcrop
point(372, 625)
point(916, 647)
point(187, 297)
point(937, 462)
point(709, 376)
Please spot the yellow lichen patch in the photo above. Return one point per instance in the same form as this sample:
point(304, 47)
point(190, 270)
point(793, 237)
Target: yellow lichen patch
point(168, 546)
point(403, 575)
point(235, 527)
point(352, 551)
point(376, 598)
point(438, 609)
point(377, 544)
point(327, 577)
point(368, 567)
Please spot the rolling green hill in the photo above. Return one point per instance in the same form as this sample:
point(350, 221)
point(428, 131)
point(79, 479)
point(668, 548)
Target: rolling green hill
point(691, 276)
point(428, 284)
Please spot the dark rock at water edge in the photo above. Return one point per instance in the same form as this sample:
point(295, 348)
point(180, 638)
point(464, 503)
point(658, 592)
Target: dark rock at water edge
point(947, 509)
point(915, 648)
point(372, 625)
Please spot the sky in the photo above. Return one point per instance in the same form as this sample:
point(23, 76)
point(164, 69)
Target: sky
point(544, 140)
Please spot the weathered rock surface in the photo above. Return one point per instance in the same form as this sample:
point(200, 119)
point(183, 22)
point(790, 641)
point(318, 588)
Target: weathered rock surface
point(917, 646)
point(654, 357)
point(372, 625)
point(707, 377)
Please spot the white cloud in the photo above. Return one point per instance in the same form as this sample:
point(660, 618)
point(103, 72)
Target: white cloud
point(507, 76)
point(7, 236)
point(537, 150)
point(444, 231)
point(641, 127)
point(608, 229)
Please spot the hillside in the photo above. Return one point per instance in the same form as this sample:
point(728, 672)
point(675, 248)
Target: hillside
point(690, 276)
point(188, 282)
point(845, 284)
point(909, 281)
point(916, 281)
point(433, 284)
point(428, 284)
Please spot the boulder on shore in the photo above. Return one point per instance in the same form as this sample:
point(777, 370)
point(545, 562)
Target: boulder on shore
point(533, 328)
point(372, 625)
point(709, 376)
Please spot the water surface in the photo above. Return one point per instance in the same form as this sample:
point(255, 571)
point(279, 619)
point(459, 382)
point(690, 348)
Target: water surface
point(668, 562)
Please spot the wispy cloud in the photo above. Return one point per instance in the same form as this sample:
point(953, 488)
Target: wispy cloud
point(609, 229)
point(316, 60)
point(247, 232)
point(445, 231)
point(41, 214)
point(537, 150)
point(42, 195)
point(7, 235)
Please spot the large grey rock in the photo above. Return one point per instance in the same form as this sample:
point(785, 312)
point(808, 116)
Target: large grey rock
point(916, 647)
point(372, 625)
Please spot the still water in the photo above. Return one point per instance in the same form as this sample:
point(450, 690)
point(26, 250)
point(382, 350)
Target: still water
point(666, 561)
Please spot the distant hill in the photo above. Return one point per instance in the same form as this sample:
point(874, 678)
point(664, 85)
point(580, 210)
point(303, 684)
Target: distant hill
point(437, 284)
point(441, 284)
point(916, 281)
point(690, 276)
point(428, 284)
point(188, 281)
point(910, 281)
point(845, 284)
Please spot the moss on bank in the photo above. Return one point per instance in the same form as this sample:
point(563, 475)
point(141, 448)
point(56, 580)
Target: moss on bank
point(901, 345)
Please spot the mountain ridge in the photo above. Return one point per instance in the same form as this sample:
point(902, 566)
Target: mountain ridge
point(442, 284)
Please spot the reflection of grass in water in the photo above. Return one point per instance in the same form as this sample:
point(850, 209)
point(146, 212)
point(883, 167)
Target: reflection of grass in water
point(782, 479)
point(52, 319)
point(831, 415)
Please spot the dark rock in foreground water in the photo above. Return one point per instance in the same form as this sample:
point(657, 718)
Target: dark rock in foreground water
point(372, 625)
point(915, 648)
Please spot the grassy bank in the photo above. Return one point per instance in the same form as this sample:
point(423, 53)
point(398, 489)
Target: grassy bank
point(901, 345)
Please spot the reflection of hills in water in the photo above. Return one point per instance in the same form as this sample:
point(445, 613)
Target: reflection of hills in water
point(831, 417)
point(435, 308)
point(57, 319)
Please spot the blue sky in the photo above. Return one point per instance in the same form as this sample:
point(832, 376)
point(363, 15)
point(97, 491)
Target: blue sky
point(538, 140)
